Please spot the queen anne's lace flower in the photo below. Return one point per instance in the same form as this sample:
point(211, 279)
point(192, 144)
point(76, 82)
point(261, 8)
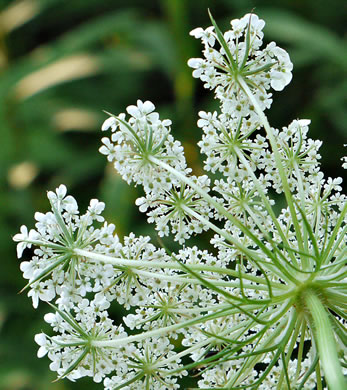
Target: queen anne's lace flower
point(225, 139)
point(150, 368)
point(58, 233)
point(25, 238)
point(135, 141)
point(239, 56)
point(172, 209)
point(299, 156)
point(133, 286)
point(241, 315)
point(72, 353)
point(242, 198)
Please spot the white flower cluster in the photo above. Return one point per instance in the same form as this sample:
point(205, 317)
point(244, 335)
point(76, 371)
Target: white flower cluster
point(169, 209)
point(224, 139)
point(136, 147)
point(239, 316)
point(154, 352)
point(133, 142)
point(239, 54)
point(53, 270)
point(87, 320)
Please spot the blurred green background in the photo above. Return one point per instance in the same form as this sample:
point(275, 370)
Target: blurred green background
point(63, 62)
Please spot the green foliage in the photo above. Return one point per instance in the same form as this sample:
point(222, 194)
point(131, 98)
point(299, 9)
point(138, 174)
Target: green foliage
point(63, 62)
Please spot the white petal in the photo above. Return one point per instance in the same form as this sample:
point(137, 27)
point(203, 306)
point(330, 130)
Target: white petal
point(41, 352)
point(22, 235)
point(304, 122)
point(133, 111)
point(197, 32)
point(40, 339)
point(195, 62)
point(20, 248)
point(61, 191)
point(148, 107)
point(49, 318)
point(109, 122)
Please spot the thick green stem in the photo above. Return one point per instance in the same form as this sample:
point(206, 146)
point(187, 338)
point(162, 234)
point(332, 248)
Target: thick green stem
point(325, 340)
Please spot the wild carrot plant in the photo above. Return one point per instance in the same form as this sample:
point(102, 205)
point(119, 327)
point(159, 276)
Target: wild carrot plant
point(266, 308)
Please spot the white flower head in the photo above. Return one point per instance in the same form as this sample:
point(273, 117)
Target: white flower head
point(140, 139)
point(240, 57)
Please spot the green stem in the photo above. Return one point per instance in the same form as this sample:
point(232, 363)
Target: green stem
point(325, 340)
point(300, 351)
point(224, 212)
point(265, 200)
point(289, 351)
point(280, 334)
point(183, 353)
point(222, 233)
point(279, 266)
point(180, 280)
point(46, 244)
point(278, 161)
point(118, 261)
point(194, 347)
point(161, 331)
point(275, 269)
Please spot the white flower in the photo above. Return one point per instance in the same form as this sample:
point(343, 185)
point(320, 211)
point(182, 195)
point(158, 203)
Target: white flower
point(100, 303)
point(206, 36)
point(227, 310)
point(43, 291)
point(61, 201)
point(28, 268)
point(55, 269)
point(225, 139)
point(95, 208)
point(42, 341)
point(298, 153)
point(146, 369)
point(25, 237)
point(280, 73)
point(143, 110)
point(108, 149)
point(65, 349)
point(59, 194)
